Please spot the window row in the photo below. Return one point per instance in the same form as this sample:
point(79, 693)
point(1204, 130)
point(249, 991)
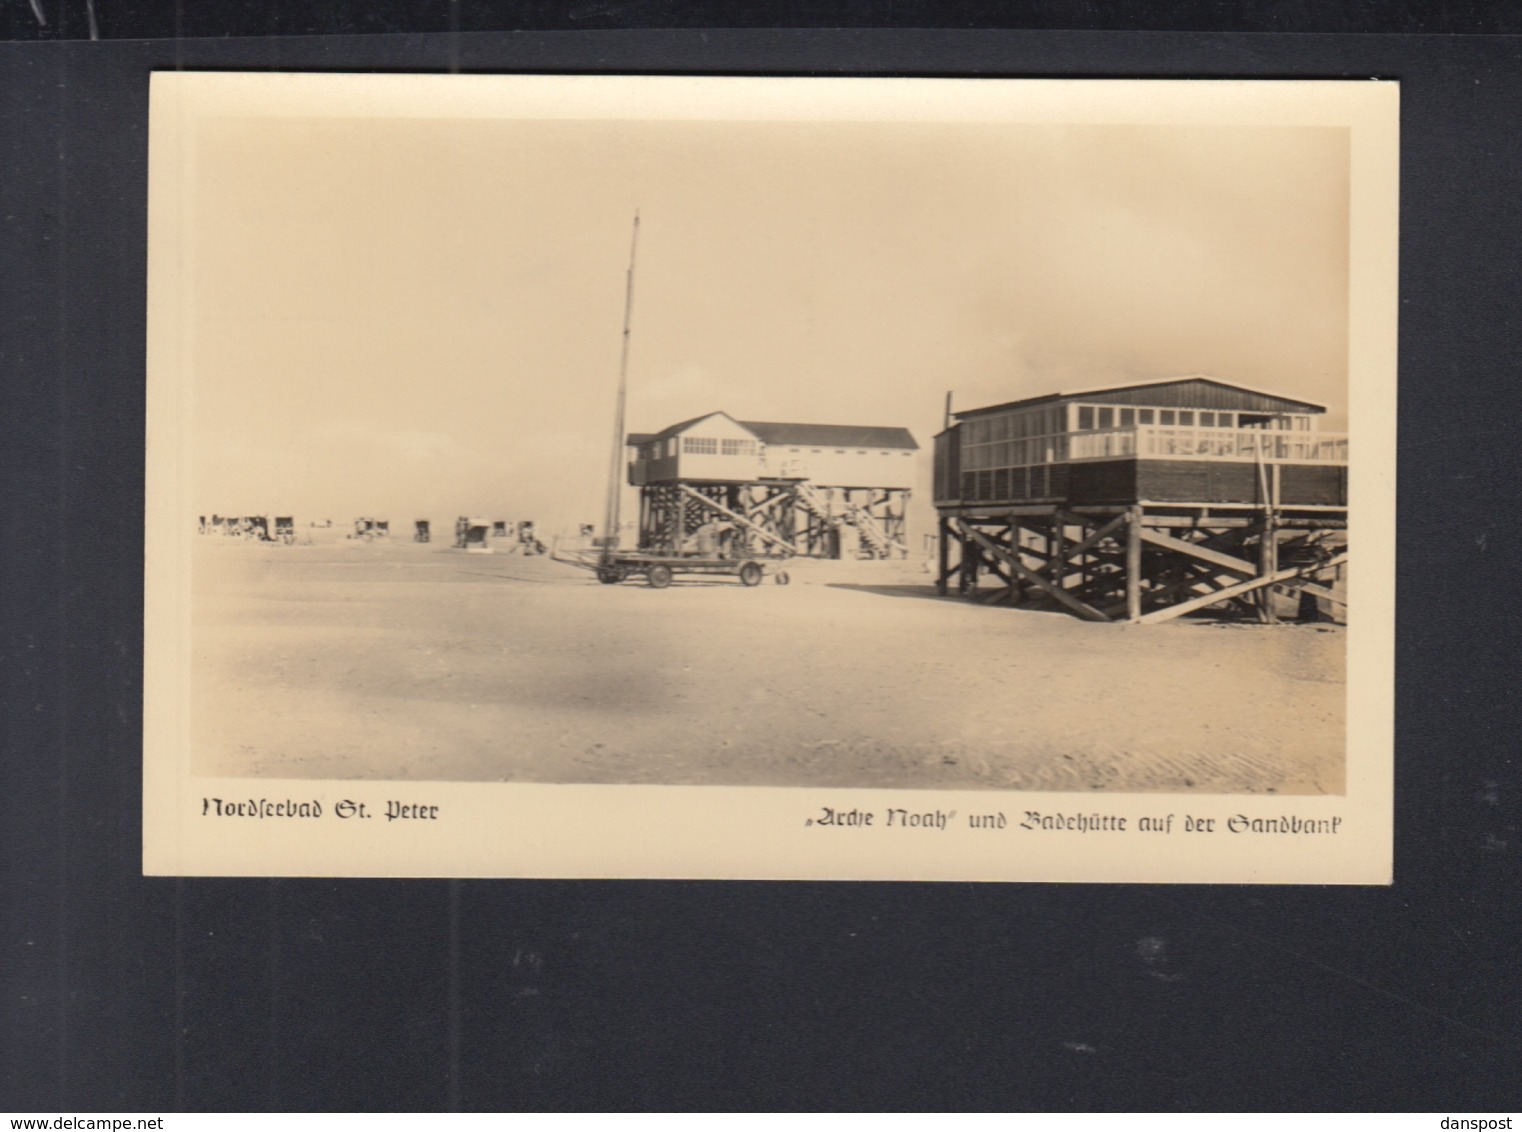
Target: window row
point(1127, 416)
point(1007, 483)
point(842, 452)
point(712, 446)
point(709, 446)
point(1016, 453)
point(1017, 425)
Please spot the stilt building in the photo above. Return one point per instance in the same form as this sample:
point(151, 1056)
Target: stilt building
point(775, 489)
point(1144, 502)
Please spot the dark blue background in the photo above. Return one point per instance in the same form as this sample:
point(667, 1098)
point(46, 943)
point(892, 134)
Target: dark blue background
point(126, 994)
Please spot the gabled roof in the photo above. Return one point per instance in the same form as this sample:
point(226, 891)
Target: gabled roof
point(782, 432)
point(1108, 390)
point(677, 429)
point(825, 435)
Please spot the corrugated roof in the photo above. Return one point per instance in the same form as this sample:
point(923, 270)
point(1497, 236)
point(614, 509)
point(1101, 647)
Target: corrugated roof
point(824, 435)
point(1047, 398)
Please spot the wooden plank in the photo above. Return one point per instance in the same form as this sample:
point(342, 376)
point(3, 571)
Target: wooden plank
point(1205, 575)
point(1192, 586)
point(1055, 566)
point(1313, 524)
point(1202, 574)
point(1013, 545)
point(1083, 609)
point(1227, 562)
point(1268, 563)
point(1222, 540)
point(757, 510)
point(943, 556)
point(1195, 522)
point(1299, 585)
point(1134, 533)
point(1220, 505)
point(1097, 537)
point(1238, 589)
point(989, 513)
point(736, 517)
point(1096, 509)
point(968, 564)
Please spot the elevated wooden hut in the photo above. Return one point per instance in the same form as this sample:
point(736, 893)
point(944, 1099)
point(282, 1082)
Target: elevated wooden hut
point(1142, 501)
point(823, 490)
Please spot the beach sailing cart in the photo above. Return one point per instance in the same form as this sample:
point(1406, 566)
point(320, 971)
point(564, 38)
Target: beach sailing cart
point(659, 571)
point(612, 565)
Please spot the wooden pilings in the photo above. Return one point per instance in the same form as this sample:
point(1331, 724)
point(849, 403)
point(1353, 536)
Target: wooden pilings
point(778, 517)
point(943, 529)
point(1133, 579)
point(1139, 563)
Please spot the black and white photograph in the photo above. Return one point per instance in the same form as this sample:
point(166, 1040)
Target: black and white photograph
point(949, 456)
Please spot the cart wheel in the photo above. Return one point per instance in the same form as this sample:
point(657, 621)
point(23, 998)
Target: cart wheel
point(609, 576)
point(750, 574)
point(781, 578)
point(659, 576)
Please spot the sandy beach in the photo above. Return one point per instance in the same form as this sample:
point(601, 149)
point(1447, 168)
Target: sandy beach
point(343, 659)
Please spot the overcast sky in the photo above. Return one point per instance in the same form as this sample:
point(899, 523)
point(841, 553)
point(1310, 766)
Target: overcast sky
point(421, 318)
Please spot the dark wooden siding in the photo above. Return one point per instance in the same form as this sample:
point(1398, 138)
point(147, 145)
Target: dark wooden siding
point(1201, 481)
point(1130, 480)
point(948, 464)
point(1313, 483)
point(1110, 481)
point(1012, 485)
point(662, 470)
point(1190, 481)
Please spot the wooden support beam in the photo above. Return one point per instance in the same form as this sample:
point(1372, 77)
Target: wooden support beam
point(943, 526)
point(758, 509)
point(1221, 540)
point(1055, 567)
point(1196, 522)
point(1238, 589)
point(1083, 609)
point(1268, 563)
point(966, 570)
point(1227, 562)
point(984, 513)
point(1178, 505)
point(1315, 589)
point(1099, 535)
point(1293, 524)
point(735, 517)
point(1203, 576)
point(1133, 564)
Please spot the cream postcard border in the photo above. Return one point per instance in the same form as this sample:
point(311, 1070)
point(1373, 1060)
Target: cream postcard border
point(532, 830)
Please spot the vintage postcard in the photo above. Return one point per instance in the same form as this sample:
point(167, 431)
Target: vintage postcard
point(844, 479)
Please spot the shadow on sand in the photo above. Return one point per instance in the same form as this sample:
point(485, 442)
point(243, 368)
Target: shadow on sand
point(926, 590)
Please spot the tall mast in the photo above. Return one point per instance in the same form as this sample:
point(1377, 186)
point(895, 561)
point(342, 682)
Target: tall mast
point(615, 472)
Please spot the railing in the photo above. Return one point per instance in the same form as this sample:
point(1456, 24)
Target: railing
point(1249, 445)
